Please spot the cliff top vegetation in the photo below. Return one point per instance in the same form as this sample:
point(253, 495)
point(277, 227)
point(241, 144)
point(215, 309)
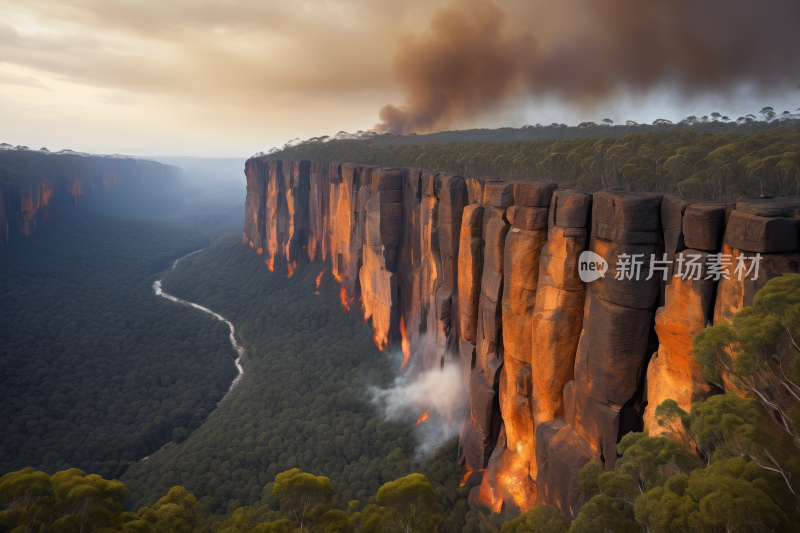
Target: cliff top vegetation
point(22, 167)
point(725, 164)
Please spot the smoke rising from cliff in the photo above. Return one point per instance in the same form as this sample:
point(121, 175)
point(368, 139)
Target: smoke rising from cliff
point(440, 393)
point(470, 60)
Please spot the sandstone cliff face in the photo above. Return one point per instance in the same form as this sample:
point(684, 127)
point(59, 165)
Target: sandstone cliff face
point(486, 276)
point(34, 181)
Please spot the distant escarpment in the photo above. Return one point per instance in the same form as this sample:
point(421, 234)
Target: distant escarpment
point(487, 275)
point(32, 181)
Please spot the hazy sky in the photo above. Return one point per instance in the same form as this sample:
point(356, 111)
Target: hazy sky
point(233, 77)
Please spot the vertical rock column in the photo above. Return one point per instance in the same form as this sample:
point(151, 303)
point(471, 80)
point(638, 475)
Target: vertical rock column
point(286, 207)
point(604, 399)
point(256, 173)
point(756, 226)
point(688, 303)
point(451, 194)
point(768, 227)
point(276, 213)
point(297, 203)
point(318, 204)
point(507, 480)
point(383, 228)
point(482, 430)
point(346, 223)
point(558, 314)
point(470, 270)
point(409, 267)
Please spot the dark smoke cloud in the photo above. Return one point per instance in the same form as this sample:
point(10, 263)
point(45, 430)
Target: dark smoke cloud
point(469, 61)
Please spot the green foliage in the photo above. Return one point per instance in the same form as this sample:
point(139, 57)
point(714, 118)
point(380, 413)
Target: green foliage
point(97, 371)
point(604, 513)
point(730, 495)
point(442, 470)
point(302, 402)
point(303, 496)
point(658, 484)
point(373, 519)
point(177, 511)
point(22, 169)
point(412, 500)
point(540, 519)
point(715, 160)
point(756, 351)
point(333, 521)
point(67, 501)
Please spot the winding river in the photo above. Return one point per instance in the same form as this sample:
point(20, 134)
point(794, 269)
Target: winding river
point(236, 346)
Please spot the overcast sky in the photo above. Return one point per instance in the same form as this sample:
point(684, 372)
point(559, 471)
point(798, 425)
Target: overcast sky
point(233, 77)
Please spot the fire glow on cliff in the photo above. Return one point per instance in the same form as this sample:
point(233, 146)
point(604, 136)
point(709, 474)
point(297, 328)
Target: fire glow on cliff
point(345, 300)
point(378, 339)
point(423, 418)
point(404, 343)
point(319, 280)
point(508, 478)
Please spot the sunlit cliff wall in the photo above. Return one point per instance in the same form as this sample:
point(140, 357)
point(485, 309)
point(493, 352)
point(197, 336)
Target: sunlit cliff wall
point(32, 182)
point(485, 275)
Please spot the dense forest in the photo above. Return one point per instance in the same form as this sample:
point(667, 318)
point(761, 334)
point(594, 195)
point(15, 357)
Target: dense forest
point(303, 401)
point(730, 464)
point(97, 371)
point(694, 164)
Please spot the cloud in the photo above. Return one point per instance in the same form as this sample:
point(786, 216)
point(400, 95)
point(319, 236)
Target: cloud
point(118, 99)
point(7, 78)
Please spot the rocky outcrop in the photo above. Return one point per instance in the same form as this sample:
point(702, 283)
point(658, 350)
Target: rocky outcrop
point(487, 276)
point(33, 181)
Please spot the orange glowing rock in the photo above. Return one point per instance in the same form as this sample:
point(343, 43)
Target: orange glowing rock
point(271, 264)
point(466, 477)
point(291, 267)
point(345, 300)
point(423, 418)
point(508, 481)
point(319, 279)
point(404, 343)
point(260, 250)
point(379, 341)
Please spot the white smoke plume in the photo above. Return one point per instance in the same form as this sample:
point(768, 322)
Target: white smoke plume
point(439, 392)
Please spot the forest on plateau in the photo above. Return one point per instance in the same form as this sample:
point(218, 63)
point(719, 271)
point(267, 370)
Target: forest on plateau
point(98, 372)
point(694, 164)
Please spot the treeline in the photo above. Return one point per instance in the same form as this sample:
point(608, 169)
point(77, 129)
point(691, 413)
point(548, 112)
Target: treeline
point(21, 167)
point(294, 501)
point(97, 371)
point(657, 486)
point(723, 165)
